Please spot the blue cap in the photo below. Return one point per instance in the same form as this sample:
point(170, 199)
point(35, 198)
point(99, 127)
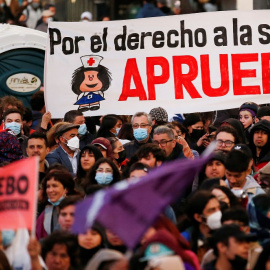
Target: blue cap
point(156, 250)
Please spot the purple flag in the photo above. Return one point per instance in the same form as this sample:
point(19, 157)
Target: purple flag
point(128, 209)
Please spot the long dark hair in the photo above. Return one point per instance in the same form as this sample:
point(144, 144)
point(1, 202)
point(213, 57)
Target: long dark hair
point(92, 150)
point(126, 132)
point(196, 204)
point(232, 198)
point(116, 173)
point(108, 122)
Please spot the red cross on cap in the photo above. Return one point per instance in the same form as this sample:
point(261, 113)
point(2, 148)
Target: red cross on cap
point(91, 61)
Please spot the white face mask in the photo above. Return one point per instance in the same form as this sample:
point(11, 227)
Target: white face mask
point(49, 19)
point(214, 220)
point(73, 144)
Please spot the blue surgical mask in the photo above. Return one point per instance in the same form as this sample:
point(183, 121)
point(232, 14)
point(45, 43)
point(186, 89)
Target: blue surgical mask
point(82, 129)
point(15, 127)
point(35, 5)
point(140, 134)
point(117, 131)
point(7, 237)
point(103, 178)
point(58, 202)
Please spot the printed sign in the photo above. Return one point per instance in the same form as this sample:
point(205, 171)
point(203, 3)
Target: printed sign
point(23, 82)
point(186, 63)
point(18, 194)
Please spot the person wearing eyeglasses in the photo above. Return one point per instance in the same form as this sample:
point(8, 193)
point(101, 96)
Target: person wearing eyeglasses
point(178, 137)
point(165, 139)
point(142, 127)
point(226, 138)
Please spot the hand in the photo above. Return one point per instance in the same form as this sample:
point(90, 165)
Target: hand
point(202, 140)
point(34, 248)
point(205, 143)
point(180, 140)
point(46, 118)
point(25, 3)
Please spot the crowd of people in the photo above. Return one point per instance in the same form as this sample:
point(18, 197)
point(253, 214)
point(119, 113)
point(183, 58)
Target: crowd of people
point(36, 14)
point(221, 221)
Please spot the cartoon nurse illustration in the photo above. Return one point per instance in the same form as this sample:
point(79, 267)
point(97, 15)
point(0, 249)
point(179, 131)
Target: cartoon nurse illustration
point(89, 82)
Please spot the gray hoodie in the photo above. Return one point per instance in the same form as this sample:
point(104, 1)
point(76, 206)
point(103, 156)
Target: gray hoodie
point(251, 187)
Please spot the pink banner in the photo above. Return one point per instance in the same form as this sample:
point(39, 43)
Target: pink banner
point(18, 194)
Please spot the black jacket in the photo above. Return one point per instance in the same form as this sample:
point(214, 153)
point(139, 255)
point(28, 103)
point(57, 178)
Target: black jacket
point(265, 152)
point(177, 153)
point(86, 139)
point(132, 147)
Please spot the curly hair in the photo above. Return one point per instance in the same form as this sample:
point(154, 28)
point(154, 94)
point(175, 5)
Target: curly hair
point(13, 101)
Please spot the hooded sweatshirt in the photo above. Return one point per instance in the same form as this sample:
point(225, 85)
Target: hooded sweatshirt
point(251, 187)
point(264, 156)
point(238, 126)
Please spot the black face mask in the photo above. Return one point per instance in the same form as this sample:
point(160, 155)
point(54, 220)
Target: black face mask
point(122, 156)
point(238, 263)
point(197, 134)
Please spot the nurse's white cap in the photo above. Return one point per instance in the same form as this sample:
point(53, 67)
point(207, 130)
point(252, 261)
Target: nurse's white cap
point(90, 61)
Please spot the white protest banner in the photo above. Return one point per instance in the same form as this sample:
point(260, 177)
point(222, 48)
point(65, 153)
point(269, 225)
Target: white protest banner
point(186, 63)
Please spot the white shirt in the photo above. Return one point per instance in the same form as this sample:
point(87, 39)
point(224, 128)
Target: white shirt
point(73, 160)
